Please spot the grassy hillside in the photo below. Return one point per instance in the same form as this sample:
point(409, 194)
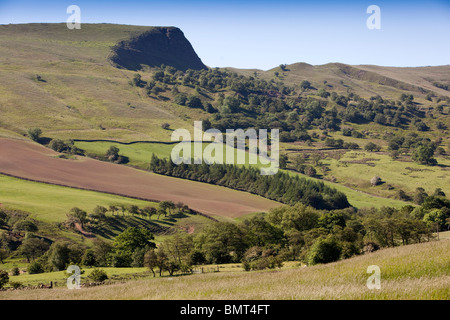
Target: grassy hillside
point(419, 271)
point(365, 80)
point(63, 82)
point(79, 94)
point(397, 175)
point(339, 124)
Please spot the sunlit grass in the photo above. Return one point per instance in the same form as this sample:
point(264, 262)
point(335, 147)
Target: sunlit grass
point(419, 271)
point(51, 203)
point(399, 174)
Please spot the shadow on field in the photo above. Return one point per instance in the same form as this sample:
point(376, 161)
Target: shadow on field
point(114, 225)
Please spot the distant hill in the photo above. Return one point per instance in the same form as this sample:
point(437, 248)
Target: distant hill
point(78, 83)
point(364, 80)
point(157, 46)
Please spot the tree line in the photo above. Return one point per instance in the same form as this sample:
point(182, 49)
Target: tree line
point(288, 233)
point(302, 233)
point(280, 187)
point(22, 235)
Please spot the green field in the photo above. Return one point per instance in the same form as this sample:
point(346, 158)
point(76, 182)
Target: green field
point(51, 203)
point(140, 153)
point(60, 277)
point(399, 174)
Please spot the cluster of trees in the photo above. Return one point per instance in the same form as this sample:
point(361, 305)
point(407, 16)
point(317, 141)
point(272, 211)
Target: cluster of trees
point(301, 233)
point(298, 163)
point(255, 242)
point(126, 250)
point(422, 149)
point(34, 134)
point(214, 80)
point(340, 144)
point(112, 155)
point(68, 147)
point(16, 225)
point(409, 224)
point(254, 102)
point(372, 147)
point(58, 145)
point(165, 208)
point(17, 232)
point(382, 111)
point(281, 187)
point(288, 233)
point(351, 132)
point(20, 237)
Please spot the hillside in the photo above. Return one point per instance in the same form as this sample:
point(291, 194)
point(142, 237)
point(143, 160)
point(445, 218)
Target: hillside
point(64, 82)
point(364, 80)
point(85, 140)
point(419, 271)
point(79, 94)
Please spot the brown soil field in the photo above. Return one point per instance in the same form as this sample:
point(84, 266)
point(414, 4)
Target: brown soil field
point(32, 161)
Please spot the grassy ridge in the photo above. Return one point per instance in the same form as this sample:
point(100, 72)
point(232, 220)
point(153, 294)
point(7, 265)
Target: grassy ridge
point(81, 94)
point(419, 271)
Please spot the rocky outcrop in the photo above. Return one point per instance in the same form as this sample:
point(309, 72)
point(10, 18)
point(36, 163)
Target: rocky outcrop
point(157, 46)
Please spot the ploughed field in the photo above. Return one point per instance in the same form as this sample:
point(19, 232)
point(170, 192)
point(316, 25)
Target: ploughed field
point(32, 161)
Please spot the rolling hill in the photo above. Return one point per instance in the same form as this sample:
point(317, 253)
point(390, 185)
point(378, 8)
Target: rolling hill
point(64, 81)
point(78, 84)
point(131, 86)
point(80, 93)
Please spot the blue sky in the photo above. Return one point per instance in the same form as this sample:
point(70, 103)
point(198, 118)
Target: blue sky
point(263, 34)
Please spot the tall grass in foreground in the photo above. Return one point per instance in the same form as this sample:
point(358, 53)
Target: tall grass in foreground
point(419, 271)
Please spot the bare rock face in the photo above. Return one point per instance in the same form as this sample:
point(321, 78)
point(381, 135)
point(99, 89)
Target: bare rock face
point(157, 46)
